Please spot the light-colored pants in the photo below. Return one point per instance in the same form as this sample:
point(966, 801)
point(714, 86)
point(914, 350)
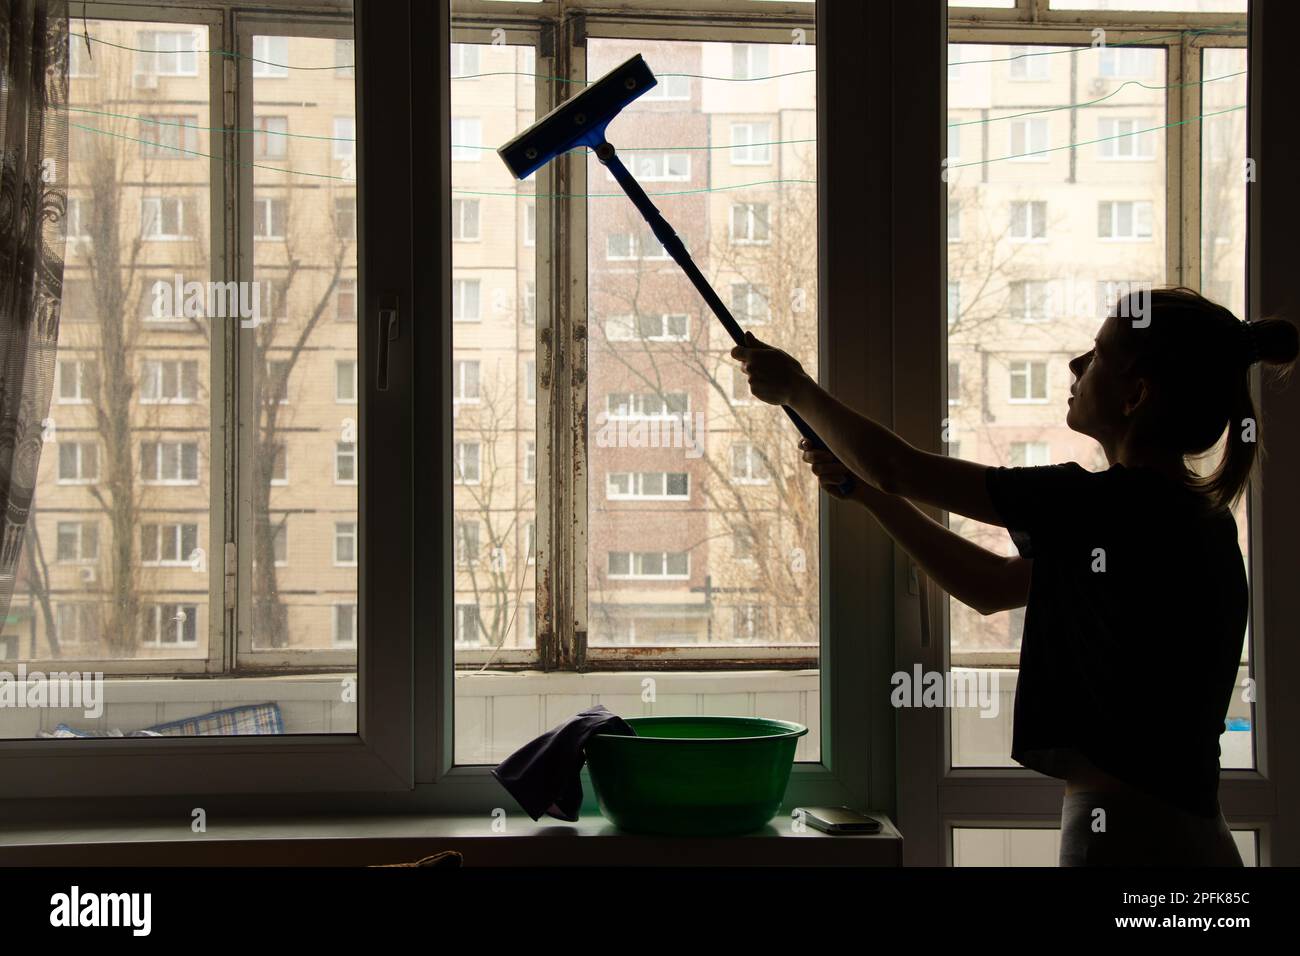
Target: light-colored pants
point(1133, 829)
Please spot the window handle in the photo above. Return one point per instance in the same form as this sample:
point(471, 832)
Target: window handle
point(389, 327)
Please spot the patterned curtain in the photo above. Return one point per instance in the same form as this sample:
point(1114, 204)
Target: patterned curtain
point(33, 200)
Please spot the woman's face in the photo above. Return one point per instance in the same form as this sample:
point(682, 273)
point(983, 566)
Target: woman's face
point(1099, 395)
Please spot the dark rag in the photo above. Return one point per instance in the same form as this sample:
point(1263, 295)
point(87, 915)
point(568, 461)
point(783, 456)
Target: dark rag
point(543, 774)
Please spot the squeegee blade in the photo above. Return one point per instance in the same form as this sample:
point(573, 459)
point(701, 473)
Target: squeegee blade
point(579, 121)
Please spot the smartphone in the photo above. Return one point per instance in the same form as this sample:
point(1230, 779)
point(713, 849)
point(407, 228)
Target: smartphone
point(838, 820)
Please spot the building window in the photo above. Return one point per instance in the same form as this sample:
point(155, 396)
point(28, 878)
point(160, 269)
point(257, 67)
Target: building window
point(1126, 61)
point(78, 462)
point(656, 167)
point(1028, 63)
point(270, 137)
point(1029, 220)
point(749, 623)
point(345, 137)
point(344, 59)
point(467, 629)
point(749, 303)
point(647, 328)
point(345, 625)
point(163, 217)
point(954, 383)
point(465, 381)
point(1127, 219)
point(466, 462)
point(169, 135)
point(170, 625)
point(466, 541)
point(77, 542)
point(168, 544)
point(464, 61)
point(169, 463)
point(270, 57)
point(751, 144)
point(465, 300)
point(466, 139)
point(1125, 138)
point(748, 466)
point(1028, 382)
point(345, 463)
point(78, 381)
point(648, 485)
point(530, 223)
point(647, 405)
point(345, 543)
point(1030, 453)
point(270, 218)
point(169, 381)
point(749, 223)
point(1029, 140)
point(530, 461)
point(749, 61)
point(1029, 300)
point(345, 218)
point(667, 565)
point(345, 300)
point(165, 53)
point(345, 381)
point(464, 220)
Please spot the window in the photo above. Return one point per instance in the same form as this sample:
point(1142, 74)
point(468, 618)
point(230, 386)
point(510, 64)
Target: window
point(1027, 63)
point(270, 57)
point(749, 304)
point(464, 61)
point(78, 624)
point(1123, 220)
point(163, 217)
point(345, 300)
point(345, 463)
point(465, 300)
point(77, 542)
point(464, 219)
point(671, 86)
point(279, 463)
point(1028, 220)
point(628, 246)
point(169, 462)
point(648, 328)
point(344, 59)
point(749, 222)
point(954, 383)
point(1127, 61)
point(174, 381)
point(751, 144)
point(649, 564)
point(748, 465)
point(530, 302)
point(656, 167)
point(530, 461)
point(277, 380)
point(954, 222)
point(1126, 138)
point(168, 544)
point(468, 629)
point(1028, 381)
point(647, 405)
point(78, 462)
point(345, 543)
point(170, 624)
point(1029, 140)
point(1030, 299)
point(78, 381)
point(345, 135)
point(466, 541)
point(749, 623)
point(954, 143)
point(466, 139)
point(954, 302)
point(530, 224)
point(652, 485)
point(345, 625)
point(81, 59)
point(465, 380)
point(1029, 453)
point(79, 220)
point(345, 218)
point(345, 381)
point(530, 381)
point(163, 53)
point(269, 218)
point(466, 461)
point(169, 135)
point(749, 61)
point(270, 139)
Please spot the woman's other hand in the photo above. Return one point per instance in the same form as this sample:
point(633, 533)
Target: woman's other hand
point(830, 471)
point(774, 376)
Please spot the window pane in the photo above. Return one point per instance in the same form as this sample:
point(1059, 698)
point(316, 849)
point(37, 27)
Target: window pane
point(85, 585)
point(303, 520)
point(660, 376)
point(1225, 174)
point(1025, 308)
point(496, 453)
point(1041, 846)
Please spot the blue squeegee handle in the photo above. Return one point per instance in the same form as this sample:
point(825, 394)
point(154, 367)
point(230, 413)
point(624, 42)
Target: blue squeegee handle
point(673, 244)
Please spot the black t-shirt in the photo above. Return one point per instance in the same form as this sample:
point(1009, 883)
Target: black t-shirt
point(1133, 629)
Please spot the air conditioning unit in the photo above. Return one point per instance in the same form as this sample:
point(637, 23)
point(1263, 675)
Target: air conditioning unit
point(87, 575)
point(1097, 87)
point(145, 81)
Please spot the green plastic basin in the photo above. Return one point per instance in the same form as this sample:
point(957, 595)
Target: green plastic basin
point(697, 776)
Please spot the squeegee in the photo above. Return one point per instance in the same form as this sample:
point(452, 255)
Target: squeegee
point(581, 121)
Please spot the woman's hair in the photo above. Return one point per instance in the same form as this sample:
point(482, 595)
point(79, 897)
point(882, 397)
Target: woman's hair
point(1198, 356)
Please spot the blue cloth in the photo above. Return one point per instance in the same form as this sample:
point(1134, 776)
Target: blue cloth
point(544, 774)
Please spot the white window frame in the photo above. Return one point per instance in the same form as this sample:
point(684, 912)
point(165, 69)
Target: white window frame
point(751, 144)
point(1027, 374)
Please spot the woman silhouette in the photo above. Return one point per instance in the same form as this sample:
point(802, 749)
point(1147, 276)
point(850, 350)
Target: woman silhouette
point(1132, 579)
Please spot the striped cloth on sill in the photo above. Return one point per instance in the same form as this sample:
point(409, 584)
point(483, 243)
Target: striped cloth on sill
point(233, 721)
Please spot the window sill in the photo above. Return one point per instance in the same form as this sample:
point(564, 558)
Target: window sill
point(365, 840)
